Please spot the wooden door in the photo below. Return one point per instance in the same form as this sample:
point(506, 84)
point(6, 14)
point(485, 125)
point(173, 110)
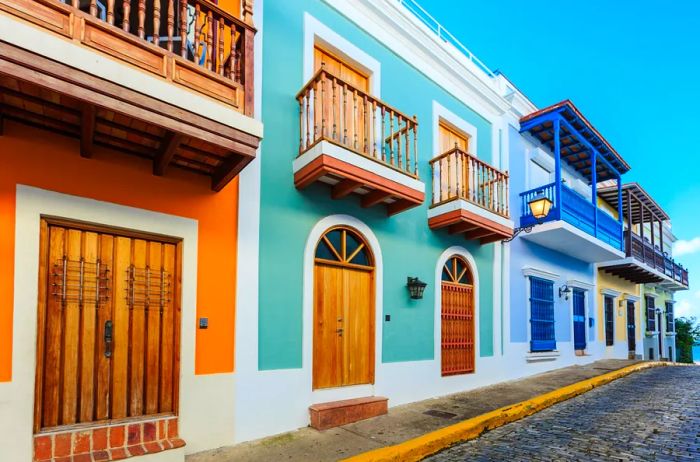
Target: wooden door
point(579, 300)
point(631, 329)
point(343, 342)
point(457, 318)
point(346, 110)
point(453, 166)
point(108, 325)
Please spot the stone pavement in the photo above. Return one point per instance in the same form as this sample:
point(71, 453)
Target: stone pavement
point(402, 422)
point(651, 415)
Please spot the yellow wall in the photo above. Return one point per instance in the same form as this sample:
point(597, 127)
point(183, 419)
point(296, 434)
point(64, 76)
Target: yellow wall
point(608, 281)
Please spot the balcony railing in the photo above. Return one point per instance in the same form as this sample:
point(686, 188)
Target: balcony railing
point(336, 111)
point(575, 209)
point(459, 175)
point(655, 259)
point(212, 50)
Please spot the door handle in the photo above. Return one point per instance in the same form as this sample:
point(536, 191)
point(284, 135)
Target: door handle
point(108, 338)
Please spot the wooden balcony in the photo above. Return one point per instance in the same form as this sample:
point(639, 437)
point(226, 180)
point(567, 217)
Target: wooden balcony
point(357, 144)
point(646, 261)
point(470, 197)
point(170, 80)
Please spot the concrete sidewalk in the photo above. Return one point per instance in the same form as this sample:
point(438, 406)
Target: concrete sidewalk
point(402, 422)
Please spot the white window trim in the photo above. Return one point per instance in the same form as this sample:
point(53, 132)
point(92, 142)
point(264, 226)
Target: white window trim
point(538, 273)
point(529, 272)
point(614, 294)
point(315, 32)
point(611, 293)
point(587, 290)
point(580, 284)
point(440, 112)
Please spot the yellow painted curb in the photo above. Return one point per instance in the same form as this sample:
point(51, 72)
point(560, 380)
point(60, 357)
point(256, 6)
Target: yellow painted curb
point(430, 443)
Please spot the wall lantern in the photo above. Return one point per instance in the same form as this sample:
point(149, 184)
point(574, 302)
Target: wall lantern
point(540, 205)
point(415, 287)
point(564, 291)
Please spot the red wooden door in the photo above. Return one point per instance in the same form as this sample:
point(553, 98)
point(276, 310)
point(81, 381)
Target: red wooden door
point(457, 318)
point(108, 326)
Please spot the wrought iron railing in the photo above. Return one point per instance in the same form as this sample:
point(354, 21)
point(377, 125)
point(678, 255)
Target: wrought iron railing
point(459, 175)
point(334, 110)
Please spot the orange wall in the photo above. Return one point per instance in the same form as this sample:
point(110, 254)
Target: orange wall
point(39, 158)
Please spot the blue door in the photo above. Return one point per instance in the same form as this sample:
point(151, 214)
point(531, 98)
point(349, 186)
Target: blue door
point(579, 319)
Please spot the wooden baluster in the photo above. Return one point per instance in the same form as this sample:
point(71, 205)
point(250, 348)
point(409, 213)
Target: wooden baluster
point(171, 24)
point(197, 32)
point(232, 55)
point(76, 4)
point(110, 12)
point(415, 145)
point(301, 124)
point(407, 167)
point(507, 196)
point(315, 110)
point(156, 22)
point(220, 64)
point(458, 158)
point(399, 158)
point(142, 18)
point(126, 5)
point(248, 11)
point(382, 134)
point(391, 137)
point(449, 177)
point(93, 7)
point(345, 115)
point(209, 61)
point(333, 110)
point(306, 97)
point(374, 129)
point(323, 108)
point(354, 119)
point(365, 122)
point(183, 28)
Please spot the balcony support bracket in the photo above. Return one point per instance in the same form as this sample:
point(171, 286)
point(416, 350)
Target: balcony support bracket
point(168, 147)
point(87, 129)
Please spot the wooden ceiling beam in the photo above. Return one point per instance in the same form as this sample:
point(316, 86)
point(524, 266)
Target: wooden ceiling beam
point(171, 141)
point(87, 129)
point(344, 187)
point(375, 197)
point(462, 227)
point(477, 233)
point(2, 121)
point(228, 170)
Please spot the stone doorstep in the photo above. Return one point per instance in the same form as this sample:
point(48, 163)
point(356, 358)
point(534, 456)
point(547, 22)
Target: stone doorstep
point(337, 413)
point(108, 442)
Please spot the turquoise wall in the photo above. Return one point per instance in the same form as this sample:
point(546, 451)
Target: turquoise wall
point(408, 246)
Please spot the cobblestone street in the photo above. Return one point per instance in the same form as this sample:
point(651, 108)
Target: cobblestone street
point(653, 415)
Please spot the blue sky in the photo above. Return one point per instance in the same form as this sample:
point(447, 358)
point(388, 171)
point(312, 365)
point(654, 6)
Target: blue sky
point(632, 67)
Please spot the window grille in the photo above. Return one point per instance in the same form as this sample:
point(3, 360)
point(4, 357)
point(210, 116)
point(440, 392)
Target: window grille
point(609, 321)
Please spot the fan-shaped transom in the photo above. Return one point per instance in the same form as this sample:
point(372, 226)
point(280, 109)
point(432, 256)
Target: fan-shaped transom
point(457, 271)
point(344, 246)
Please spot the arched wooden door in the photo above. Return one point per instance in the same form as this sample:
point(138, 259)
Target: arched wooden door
point(457, 316)
point(343, 343)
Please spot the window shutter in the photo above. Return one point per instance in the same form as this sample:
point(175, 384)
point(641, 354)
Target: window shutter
point(609, 321)
point(542, 315)
point(670, 324)
point(651, 314)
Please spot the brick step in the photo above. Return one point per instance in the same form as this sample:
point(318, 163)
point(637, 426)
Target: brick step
point(337, 413)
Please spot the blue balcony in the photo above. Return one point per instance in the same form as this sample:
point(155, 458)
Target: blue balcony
point(575, 210)
point(575, 224)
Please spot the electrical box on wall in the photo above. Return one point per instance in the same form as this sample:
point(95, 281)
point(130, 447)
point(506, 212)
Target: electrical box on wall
point(203, 323)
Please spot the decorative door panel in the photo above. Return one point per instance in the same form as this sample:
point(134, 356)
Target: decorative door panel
point(631, 328)
point(107, 326)
point(579, 299)
point(358, 338)
point(457, 318)
point(343, 342)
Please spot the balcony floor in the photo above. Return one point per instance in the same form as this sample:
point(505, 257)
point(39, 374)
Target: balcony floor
point(351, 173)
point(463, 217)
point(638, 272)
point(563, 237)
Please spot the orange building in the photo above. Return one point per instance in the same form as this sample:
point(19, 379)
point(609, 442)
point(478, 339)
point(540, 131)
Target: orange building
point(125, 129)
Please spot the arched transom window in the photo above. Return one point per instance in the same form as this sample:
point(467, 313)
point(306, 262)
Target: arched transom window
point(344, 246)
point(456, 271)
